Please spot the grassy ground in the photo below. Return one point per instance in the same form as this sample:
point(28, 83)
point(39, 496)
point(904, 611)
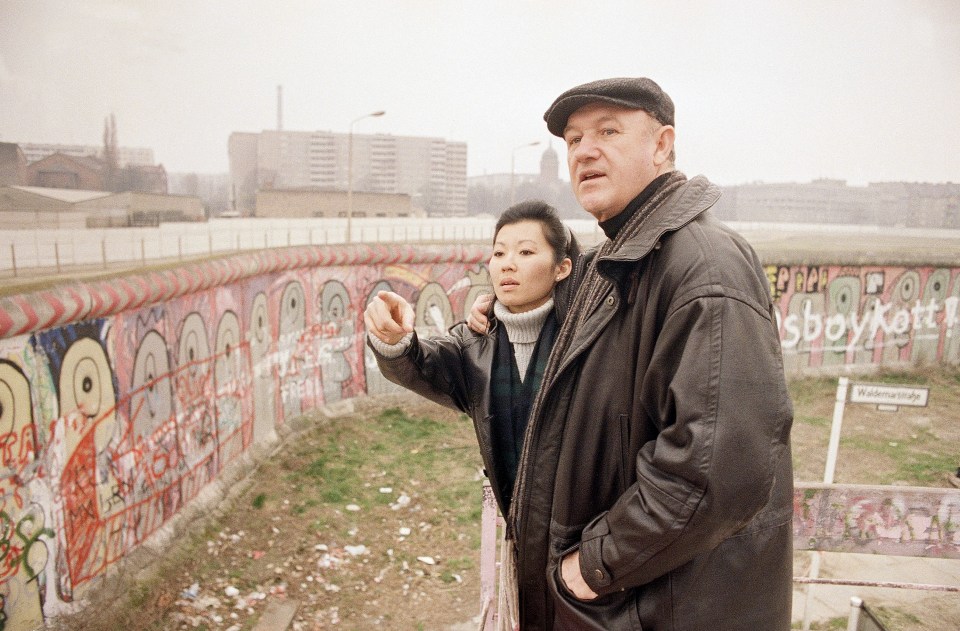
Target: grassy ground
point(371, 520)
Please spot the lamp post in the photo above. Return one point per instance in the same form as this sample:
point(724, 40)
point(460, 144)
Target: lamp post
point(350, 170)
point(513, 155)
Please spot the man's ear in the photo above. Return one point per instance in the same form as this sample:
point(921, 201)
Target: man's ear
point(564, 268)
point(665, 137)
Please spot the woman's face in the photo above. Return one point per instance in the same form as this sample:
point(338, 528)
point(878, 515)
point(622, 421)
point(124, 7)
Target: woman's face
point(522, 267)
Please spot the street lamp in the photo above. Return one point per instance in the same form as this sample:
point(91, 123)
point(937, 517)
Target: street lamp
point(513, 155)
point(350, 169)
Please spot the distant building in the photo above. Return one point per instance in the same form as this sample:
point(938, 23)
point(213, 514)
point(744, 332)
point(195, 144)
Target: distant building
point(28, 207)
point(13, 165)
point(492, 194)
point(431, 171)
point(59, 170)
point(833, 201)
point(918, 204)
point(126, 156)
point(80, 167)
point(145, 178)
point(318, 203)
point(212, 188)
point(136, 208)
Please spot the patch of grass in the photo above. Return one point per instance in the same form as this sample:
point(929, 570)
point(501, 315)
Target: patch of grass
point(804, 390)
point(833, 624)
point(316, 468)
point(814, 421)
point(894, 618)
point(463, 499)
point(259, 501)
point(914, 459)
point(462, 563)
point(917, 377)
point(408, 429)
point(140, 594)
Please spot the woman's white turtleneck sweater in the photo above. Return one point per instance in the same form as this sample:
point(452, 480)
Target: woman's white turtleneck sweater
point(522, 329)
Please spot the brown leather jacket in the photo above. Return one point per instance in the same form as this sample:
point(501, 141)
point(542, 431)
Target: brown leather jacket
point(662, 451)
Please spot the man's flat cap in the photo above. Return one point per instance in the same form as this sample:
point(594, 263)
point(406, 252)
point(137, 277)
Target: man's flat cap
point(637, 93)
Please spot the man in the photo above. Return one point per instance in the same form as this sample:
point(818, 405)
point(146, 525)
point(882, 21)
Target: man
point(655, 485)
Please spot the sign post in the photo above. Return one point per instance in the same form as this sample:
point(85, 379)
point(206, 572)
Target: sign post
point(887, 399)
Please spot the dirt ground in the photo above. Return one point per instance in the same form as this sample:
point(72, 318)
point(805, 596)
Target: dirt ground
point(370, 520)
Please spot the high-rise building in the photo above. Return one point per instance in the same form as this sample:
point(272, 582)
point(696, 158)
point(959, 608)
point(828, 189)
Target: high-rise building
point(432, 171)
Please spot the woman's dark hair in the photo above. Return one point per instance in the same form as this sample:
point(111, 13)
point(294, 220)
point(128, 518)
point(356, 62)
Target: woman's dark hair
point(543, 213)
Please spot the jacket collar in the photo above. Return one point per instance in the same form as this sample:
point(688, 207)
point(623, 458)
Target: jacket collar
point(685, 205)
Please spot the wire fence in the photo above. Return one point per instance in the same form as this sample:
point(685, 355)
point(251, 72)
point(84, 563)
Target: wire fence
point(27, 252)
point(45, 251)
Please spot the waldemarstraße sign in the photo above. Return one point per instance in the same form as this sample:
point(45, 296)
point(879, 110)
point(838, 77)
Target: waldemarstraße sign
point(888, 398)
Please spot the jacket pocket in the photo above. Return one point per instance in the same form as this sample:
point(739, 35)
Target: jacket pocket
point(611, 611)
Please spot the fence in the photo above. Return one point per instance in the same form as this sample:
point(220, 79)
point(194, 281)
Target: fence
point(61, 249)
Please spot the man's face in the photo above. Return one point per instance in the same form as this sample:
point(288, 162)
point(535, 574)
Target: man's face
point(613, 153)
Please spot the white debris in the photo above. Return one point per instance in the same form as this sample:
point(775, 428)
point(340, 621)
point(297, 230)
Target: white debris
point(386, 490)
point(427, 560)
point(231, 591)
point(356, 550)
point(402, 502)
point(353, 508)
point(405, 532)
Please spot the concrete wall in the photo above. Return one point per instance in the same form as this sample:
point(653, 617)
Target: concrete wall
point(834, 317)
point(122, 400)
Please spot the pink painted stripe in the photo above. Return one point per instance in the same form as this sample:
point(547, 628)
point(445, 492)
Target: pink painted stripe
point(76, 301)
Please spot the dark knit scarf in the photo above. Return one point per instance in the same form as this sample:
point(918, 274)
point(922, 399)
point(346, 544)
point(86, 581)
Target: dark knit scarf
point(511, 398)
point(593, 288)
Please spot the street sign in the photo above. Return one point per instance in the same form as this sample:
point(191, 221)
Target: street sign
point(889, 397)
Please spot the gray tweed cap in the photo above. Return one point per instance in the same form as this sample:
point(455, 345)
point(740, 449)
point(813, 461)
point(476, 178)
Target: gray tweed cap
point(637, 93)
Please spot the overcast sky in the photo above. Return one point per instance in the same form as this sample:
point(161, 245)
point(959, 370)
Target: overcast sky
point(765, 90)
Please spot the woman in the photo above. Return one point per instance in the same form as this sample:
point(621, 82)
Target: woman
point(493, 377)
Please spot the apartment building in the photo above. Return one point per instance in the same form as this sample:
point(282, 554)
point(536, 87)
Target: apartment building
point(431, 171)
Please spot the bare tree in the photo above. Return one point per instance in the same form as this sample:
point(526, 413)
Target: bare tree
point(111, 161)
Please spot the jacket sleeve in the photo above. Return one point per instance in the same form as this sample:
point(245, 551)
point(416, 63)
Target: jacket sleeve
point(716, 392)
point(432, 367)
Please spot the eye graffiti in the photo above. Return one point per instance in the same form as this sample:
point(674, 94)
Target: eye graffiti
point(151, 398)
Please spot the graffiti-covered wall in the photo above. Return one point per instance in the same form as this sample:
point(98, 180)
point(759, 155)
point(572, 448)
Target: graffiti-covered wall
point(121, 399)
point(833, 316)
